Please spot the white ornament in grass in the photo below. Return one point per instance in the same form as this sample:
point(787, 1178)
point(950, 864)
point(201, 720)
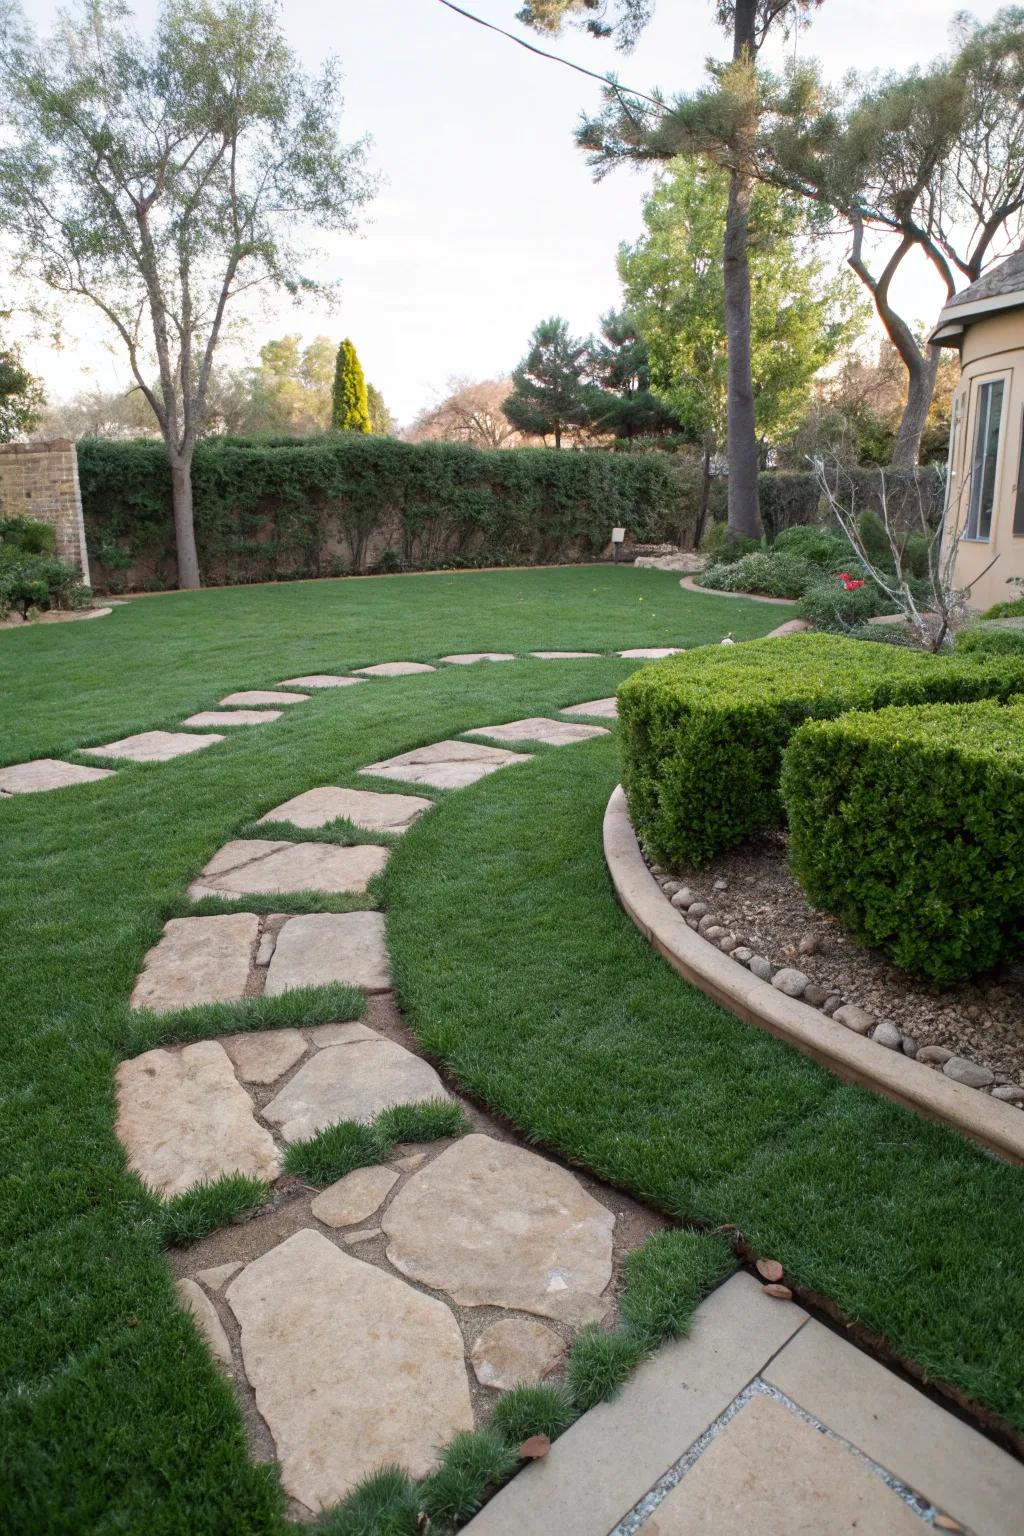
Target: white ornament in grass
point(729, 639)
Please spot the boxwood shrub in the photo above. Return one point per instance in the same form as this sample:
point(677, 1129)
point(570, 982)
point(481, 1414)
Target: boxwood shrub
point(703, 733)
point(906, 824)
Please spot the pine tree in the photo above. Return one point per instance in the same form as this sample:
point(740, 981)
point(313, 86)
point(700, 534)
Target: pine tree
point(350, 409)
point(547, 386)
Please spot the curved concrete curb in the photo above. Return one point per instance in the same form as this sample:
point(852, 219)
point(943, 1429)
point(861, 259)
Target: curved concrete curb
point(689, 585)
point(852, 1057)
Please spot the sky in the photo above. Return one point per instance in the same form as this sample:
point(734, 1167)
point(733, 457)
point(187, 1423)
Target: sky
point(487, 219)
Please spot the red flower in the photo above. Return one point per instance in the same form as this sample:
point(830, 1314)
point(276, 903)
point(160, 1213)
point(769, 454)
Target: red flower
point(851, 586)
point(844, 575)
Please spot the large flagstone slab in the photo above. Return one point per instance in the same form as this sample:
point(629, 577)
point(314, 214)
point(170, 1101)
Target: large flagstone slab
point(394, 669)
point(364, 808)
point(467, 658)
point(324, 947)
point(493, 1224)
point(248, 866)
point(652, 652)
point(553, 733)
point(183, 1119)
point(351, 1367)
point(351, 1082)
point(198, 960)
point(233, 717)
point(445, 764)
point(47, 773)
point(602, 708)
point(264, 696)
point(156, 746)
point(320, 680)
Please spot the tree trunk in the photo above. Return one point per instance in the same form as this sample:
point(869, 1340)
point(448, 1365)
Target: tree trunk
point(558, 434)
point(741, 435)
point(184, 525)
point(705, 489)
point(921, 375)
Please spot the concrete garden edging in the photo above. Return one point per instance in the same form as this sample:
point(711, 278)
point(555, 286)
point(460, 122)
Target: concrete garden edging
point(852, 1057)
point(688, 584)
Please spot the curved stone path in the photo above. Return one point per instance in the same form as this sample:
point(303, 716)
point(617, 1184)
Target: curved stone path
point(371, 1321)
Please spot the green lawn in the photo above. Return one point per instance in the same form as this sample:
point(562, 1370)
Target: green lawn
point(515, 966)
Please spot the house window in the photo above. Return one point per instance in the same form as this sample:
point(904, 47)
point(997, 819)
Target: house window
point(989, 417)
point(1018, 511)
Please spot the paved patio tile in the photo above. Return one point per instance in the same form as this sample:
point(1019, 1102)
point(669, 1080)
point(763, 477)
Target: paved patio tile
point(256, 865)
point(562, 655)
point(364, 808)
point(264, 696)
point(324, 947)
point(467, 658)
point(394, 669)
point(198, 960)
point(445, 764)
point(351, 1082)
point(320, 680)
point(47, 773)
point(156, 746)
point(553, 733)
point(602, 708)
point(233, 717)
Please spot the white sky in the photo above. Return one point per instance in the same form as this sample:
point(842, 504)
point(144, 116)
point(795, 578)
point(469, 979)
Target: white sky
point(488, 219)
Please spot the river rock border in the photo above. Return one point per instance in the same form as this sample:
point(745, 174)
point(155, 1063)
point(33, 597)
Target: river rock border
point(834, 1032)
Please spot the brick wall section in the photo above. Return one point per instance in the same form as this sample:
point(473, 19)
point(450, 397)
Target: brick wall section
point(40, 481)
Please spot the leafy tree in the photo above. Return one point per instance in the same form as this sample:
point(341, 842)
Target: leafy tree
point(634, 128)
point(619, 399)
point(674, 286)
point(382, 423)
point(470, 413)
point(21, 396)
point(547, 393)
point(158, 179)
point(350, 407)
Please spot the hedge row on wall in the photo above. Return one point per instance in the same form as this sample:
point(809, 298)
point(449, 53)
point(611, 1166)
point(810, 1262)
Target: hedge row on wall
point(348, 503)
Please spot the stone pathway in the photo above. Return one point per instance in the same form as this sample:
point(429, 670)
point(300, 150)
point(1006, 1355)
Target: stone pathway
point(155, 746)
point(445, 764)
point(47, 773)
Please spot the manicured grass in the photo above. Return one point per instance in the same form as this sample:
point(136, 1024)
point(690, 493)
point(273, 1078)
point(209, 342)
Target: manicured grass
point(339, 1149)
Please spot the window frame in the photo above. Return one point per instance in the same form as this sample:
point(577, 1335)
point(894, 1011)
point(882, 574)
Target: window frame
point(981, 384)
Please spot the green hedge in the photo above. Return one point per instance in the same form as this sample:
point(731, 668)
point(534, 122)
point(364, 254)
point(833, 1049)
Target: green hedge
point(347, 502)
point(991, 640)
point(906, 824)
point(703, 733)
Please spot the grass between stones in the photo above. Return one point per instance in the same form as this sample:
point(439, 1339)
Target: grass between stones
point(341, 1148)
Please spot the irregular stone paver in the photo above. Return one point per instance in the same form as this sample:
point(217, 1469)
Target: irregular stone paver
point(467, 658)
point(340, 1034)
point(608, 708)
point(562, 655)
point(495, 1225)
point(264, 696)
point(233, 717)
point(446, 764)
point(262, 1055)
point(183, 1119)
point(351, 1367)
point(652, 653)
point(47, 773)
point(156, 746)
point(205, 1313)
point(364, 808)
point(394, 669)
point(515, 1351)
point(320, 680)
point(330, 946)
point(791, 627)
point(769, 1470)
point(355, 1197)
point(250, 865)
point(351, 1082)
point(216, 1277)
point(198, 960)
point(553, 733)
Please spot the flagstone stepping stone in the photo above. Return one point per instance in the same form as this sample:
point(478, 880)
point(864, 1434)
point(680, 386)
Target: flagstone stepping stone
point(183, 1120)
point(156, 746)
point(323, 947)
point(467, 658)
point(214, 1279)
point(652, 653)
point(562, 655)
point(47, 773)
point(340, 1034)
point(320, 680)
point(233, 717)
point(605, 708)
point(364, 808)
point(209, 1324)
point(198, 960)
point(394, 669)
point(351, 1367)
point(249, 865)
point(553, 733)
point(516, 1351)
point(446, 764)
point(264, 696)
point(262, 1055)
point(493, 1224)
point(355, 1197)
point(351, 1082)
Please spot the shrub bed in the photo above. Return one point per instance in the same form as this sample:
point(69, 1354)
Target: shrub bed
point(702, 734)
point(906, 824)
point(31, 576)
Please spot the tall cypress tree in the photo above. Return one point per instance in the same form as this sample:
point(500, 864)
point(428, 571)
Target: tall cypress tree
point(350, 407)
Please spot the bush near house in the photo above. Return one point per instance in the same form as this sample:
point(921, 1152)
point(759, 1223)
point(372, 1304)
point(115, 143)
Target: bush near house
point(906, 824)
point(991, 640)
point(702, 734)
point(31, 576)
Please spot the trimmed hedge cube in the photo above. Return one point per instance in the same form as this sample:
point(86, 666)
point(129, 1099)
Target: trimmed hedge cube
point(702, 734)
point(907, 824)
